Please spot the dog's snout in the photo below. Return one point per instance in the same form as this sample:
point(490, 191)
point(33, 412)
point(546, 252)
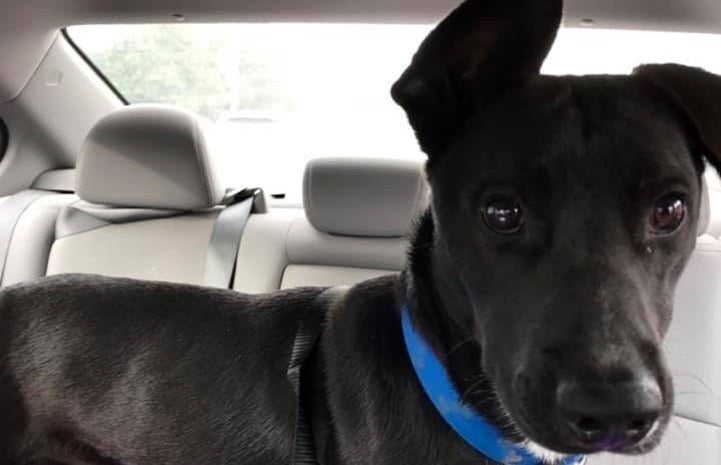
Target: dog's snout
point(609, 416)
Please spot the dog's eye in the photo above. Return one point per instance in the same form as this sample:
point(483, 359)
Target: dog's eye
point(668, 214)
point(503, 215)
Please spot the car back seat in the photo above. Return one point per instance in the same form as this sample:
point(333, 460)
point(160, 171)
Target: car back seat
point(27, 222)
point(150, 207)
point(150, 200)
point(354, 226)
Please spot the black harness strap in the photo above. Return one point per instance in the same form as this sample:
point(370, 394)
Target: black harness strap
point(305, 340)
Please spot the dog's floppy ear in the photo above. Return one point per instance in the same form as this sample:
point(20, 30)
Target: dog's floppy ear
point(481, 49)
point(696, 94)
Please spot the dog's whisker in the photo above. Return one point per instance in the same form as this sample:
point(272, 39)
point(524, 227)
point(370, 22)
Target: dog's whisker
point(460, 344)
point(679, 427)
point(694, 393)
point(470, 389)
point(687, 374)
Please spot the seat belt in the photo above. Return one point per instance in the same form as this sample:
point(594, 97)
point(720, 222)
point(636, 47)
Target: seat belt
point(225, 240)
point(10, 212)
point(305, 340)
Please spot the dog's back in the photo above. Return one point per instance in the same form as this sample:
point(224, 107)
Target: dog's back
point(140, 369)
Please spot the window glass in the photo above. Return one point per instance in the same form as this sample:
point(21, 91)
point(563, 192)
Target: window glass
point(284, 93)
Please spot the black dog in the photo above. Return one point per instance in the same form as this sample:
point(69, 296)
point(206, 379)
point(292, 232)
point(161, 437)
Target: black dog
point(564, 210)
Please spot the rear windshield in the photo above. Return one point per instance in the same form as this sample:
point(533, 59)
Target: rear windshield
point(282, 94)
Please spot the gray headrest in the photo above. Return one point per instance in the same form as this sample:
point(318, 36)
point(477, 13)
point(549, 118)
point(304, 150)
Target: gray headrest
point(364, 197)
point(149, 156)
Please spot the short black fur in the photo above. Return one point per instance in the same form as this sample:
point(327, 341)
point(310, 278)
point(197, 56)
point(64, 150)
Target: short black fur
point(577, 300)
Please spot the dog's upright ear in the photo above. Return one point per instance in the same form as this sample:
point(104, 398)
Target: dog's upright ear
point(696, 95)
point(482, 49)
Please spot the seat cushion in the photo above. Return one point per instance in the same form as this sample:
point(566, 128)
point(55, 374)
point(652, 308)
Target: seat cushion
point(320, 275)
point(281, 249)
point(693, 344)
point(162, 249)
point(32, 239)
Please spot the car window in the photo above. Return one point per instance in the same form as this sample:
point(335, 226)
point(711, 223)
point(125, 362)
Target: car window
point(284, 93)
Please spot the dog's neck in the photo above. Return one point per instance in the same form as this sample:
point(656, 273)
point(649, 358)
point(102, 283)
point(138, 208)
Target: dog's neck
point(443, 315)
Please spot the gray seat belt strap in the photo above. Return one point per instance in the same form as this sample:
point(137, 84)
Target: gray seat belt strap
point(225, 241)
point(10, 211)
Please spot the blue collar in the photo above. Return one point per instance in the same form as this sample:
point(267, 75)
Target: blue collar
point(466, 422)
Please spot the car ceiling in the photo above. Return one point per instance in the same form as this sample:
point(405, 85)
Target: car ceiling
point(28, 27)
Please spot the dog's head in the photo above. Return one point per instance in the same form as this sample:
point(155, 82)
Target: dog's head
point(565, 209)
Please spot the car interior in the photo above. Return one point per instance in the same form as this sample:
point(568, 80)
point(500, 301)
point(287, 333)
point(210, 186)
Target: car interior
point(98, 178)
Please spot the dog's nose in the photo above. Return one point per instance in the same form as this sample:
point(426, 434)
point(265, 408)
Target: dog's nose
point(609, 416)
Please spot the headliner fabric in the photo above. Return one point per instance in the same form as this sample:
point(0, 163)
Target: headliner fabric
point(149, 156)
point(364, 197)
